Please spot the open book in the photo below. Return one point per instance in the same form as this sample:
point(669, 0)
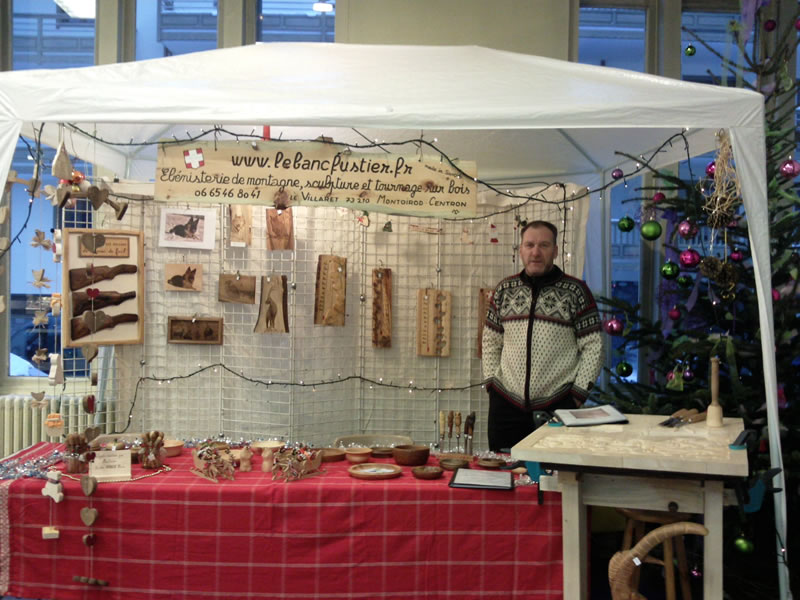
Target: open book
point(594, 415)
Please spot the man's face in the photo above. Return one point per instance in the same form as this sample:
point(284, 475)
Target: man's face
point(538, 251)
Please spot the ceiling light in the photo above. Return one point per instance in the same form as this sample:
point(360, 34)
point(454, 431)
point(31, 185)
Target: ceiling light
point(322, 7)
point(78, 9)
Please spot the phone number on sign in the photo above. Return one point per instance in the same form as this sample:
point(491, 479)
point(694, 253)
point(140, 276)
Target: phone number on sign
point(216, 192)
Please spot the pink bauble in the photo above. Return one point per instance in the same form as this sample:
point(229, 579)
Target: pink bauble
point(710, 168)
point(689, 258)
point(797, 24)
point(776, 295)
point(687, 230)
point(658, 197)
point(674, 313)
point(790, 168)
point(613, 326)
point(688, 374)
point(670, 376)
point(770, 25)
point(737, 256)
point(617, 174)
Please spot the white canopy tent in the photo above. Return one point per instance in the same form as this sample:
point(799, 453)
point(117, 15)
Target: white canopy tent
point(515, 115)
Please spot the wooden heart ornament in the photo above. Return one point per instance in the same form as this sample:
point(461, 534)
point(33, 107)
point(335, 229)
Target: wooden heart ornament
point(96, 320)
point(93, 241)
point(91, 432)
point(92, 293)
point(88, 516)
point(89, 404)
point(88, 485)
point(97, 196)
point(89, 352)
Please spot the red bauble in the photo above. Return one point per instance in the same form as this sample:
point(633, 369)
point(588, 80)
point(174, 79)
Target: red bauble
point(64, 182)
point(711, 168)
point(689, 258)
point(737, 256)
point(670, 376)
point(674, 313)
point(776, 295)
point(797, 24)
point(613, 326)
point(790, 168)
point(77, 177)
point(687, 229)
point(658, 197)
point(770, 25)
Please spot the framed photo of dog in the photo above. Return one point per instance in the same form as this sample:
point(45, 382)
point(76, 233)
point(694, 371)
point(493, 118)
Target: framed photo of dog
point(187, 228)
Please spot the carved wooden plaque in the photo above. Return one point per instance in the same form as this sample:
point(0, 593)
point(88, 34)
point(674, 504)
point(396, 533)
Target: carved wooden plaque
point(241, 225)
point(382, 308)
point(237, 288)
point(484, 297)
point(280, 229)
point(273, 314)
point(329, 300)
point(434, 310)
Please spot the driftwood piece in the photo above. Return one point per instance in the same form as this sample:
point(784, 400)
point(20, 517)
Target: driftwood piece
point(330, 296)
point(79, 278)
point(81, 301)
point(434, 310)
point(94, 321)
point(484, 297)
point(273, 314)
point(382, 308)
point(623, 565)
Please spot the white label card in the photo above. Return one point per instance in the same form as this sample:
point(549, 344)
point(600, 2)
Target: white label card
point(111, 465)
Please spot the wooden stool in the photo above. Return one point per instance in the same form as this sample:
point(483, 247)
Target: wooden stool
point(635, 530)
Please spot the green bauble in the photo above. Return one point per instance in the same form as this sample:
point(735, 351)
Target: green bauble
point(744, 545)
point(670, 270)
point(685, 281)
point(626, 224)
point(690, 50)
point(651, 230)
point(624, 369)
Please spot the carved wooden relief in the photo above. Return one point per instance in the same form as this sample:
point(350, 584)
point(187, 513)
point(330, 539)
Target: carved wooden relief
point(382, 308)
point(434, 310)
point(273, 314)
point(329, 300)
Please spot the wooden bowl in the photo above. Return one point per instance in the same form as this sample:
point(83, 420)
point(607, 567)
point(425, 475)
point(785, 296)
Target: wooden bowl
point(173, 447)
point(491, 463)
point(427, 472)
point(410, 455)
point(451, 464)
point(358, 455)
point(382, 451)
point(332, 454)
point(259, 447)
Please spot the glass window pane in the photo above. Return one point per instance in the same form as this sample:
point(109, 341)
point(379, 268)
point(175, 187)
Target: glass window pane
point(612, 37)
point(715, 29)
point(43, 36)
point(170, 27)
point(296, 21)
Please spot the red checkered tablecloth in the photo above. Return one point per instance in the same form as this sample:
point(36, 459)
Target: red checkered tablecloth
point(176, 535)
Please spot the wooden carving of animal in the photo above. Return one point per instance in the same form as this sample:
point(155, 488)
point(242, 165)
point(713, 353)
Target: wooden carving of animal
point(623, 565)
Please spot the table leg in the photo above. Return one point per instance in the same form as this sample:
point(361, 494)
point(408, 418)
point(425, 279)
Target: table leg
point(574, 537)
point(712, 548)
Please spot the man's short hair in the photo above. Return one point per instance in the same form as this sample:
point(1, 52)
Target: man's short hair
point(537, 225)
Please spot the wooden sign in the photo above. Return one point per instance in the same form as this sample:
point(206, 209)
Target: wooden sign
point(106, 246)
point(330, 296)
point(273, 314)
point(285, 174)
point(382, 308)
point(484, 297)
point(434, 310)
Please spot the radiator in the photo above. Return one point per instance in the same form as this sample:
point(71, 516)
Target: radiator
point(22, 424)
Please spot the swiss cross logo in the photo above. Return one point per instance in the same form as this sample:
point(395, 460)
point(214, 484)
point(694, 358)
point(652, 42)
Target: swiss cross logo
point(193, 158)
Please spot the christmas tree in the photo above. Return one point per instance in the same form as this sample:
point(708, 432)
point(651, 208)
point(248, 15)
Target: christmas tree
point(707, 298)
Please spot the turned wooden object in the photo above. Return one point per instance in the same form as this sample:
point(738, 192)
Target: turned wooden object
point(714, 413)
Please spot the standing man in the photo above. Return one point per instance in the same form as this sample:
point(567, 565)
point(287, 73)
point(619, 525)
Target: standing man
point(542, 341)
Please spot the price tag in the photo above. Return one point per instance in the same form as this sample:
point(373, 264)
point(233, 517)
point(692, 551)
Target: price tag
point(111, 465)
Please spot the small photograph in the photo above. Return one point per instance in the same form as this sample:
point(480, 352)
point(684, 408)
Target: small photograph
point(187, 228)
point(181, 277)
point(237, 288)
point(194, 330)
point(280, 229)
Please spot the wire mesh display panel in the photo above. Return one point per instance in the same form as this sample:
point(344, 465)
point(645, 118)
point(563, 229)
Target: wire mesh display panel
point(316, 382)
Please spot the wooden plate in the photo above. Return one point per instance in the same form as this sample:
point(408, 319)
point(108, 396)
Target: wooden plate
point(375, 471)
point(491, 463)
point(332, 454)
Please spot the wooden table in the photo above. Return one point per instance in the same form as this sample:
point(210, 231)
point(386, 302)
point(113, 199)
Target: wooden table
point(637, 465)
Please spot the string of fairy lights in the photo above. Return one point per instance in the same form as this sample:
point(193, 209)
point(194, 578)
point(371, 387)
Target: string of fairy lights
point(502, 189)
